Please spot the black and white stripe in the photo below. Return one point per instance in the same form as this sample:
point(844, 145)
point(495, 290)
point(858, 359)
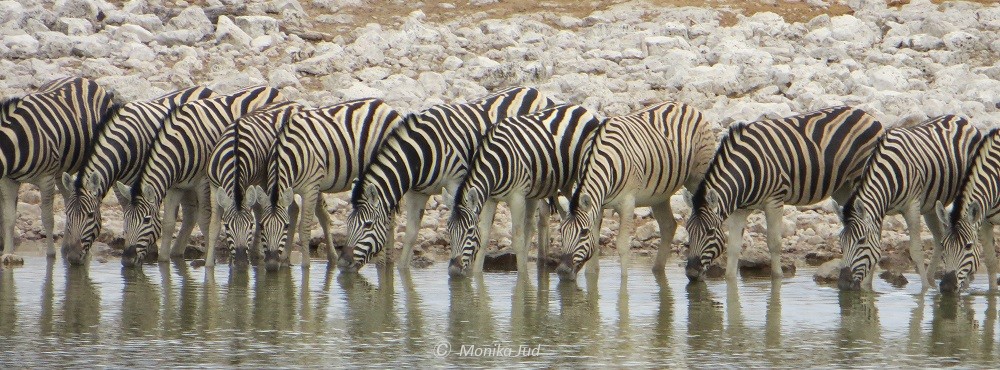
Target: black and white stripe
point(796, 160)
point(640, 159)
point(115, 155)
point(429, 151)
point(320, 151)
point(968, 232)
point(237, 168)
point(42, 135)
point(174, 172)
point(910, 170)
point(522, 160)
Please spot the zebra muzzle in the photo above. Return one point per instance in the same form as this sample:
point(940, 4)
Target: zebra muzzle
point(132, 256)
point(846, 281)
point(949, 282)
point(694, 269)
point(272, 260)
point(241, 257)
point(455, 268)
point(567, 269)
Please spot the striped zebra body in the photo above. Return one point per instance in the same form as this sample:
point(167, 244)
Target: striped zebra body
point(796, 160)
point(42, 135)
point(238, 165)
point(968, 232)
point(522, 160)
point(640, 159)
point(116, 154)
point(429, 151)
point(320, 151)
point(174, 172)
point(910, 170)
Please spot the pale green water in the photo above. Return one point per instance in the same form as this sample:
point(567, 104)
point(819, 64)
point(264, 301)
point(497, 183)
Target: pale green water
point(55, 316)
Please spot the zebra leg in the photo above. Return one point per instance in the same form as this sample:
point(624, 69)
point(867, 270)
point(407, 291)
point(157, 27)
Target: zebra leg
point(664, 215)
point(47, 189)
point(519, 212)
point(626, 227)
point(308, 210)
point(912, 217)
point(737, 222)
point(989, 253)
point(8, 189)
point(543, 234)
point(937, 230)
point(324, 224)
point(774, 215)
point(189, 212)
point(209, 220)
point(415, 203)
point(170, 202)
point(486, 216)
point(593, 265)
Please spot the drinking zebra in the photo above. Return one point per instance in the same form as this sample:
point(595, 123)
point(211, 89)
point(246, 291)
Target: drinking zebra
point(115, 155)
point(319, 151)
point(174, 173)
point(968, 232)
point(42, 135)
point(796, 160)
point(430, 151)
point(521, 160)
point(241, 160)
point(640, 159)
point(910, 169)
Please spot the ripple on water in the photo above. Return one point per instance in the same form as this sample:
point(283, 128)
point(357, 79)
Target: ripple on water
point(172, 314)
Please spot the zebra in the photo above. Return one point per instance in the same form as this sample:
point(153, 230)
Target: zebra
point(797, 160)
point(910, 170)
point(320, 151)
point(521, 160)
point(174, 171)
point(125, 135)
point(239, 161)
point(429, 151)
point(975, 211)
point(639, 159)
point(43, 134)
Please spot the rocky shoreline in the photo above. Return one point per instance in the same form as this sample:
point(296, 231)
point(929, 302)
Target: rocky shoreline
point(901, 63)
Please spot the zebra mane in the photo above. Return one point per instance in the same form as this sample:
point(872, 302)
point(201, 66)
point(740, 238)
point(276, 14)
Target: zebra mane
point(958, 204)
point(474, 160)
point(237, 173)
point(357, 191)
point(868, 170)
point(698, 198)
point(587, 155)
point(88, 154)
point(272, 158)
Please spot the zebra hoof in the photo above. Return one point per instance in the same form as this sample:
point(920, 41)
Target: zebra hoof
point(11, 260)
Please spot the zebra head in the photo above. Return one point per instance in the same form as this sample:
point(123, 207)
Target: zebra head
point(83, 218)
point(238, 225)
point(860, 242)
point(960, 247)
point(464, 234)
point(368, 227)
point(141, 223)
point(706, 241)
point(578, 237)
point(275, 223)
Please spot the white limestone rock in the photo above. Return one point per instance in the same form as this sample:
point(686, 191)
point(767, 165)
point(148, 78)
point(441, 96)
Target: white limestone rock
point(18, 46)
point(258, 25)
point(227, 32)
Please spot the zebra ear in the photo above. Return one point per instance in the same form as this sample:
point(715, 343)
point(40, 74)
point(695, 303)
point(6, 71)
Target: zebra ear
point(262, 197)
point(473, 197)
point(286, 197)
point(68, 181)
point(250, 197)
point(223, 199)
point(371, 195)
point(688, 197)
point(973, 211)
point(147, 191)
point(123, 192)
point(839, 209)
point(942, 214)
point(713, 199)
point(586, 202)
point(92, 185)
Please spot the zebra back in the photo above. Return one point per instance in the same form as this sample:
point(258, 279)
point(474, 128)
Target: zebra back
point(980, 183)
point(48, 132)
point(240, 158)
point(798, 160)
point(127, 132)
point(667, 145)
point(435, 146)
point(541, 152)
point(923, 162)
point(182, 148)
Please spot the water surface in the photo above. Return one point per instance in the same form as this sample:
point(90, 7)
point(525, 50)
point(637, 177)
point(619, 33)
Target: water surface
point(171, 314)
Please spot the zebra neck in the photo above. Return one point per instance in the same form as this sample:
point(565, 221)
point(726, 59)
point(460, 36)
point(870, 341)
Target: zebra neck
point(869, 203)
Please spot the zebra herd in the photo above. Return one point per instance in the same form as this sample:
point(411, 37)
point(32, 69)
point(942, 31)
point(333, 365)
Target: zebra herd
point(252, 167)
